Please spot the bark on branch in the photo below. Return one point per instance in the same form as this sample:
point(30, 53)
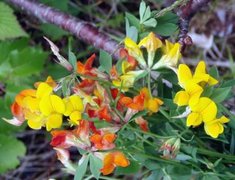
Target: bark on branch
point(81, 29)
point(90, 34)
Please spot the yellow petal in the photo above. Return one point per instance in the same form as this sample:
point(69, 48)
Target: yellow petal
point(194, 119)
point(134, 50)
point(76, 101)
point(54, 121)
point(210, 112)
point(201, 68)
point(223, 120)
point(213, 129)
point(206, 107)
point(43, 90)
point(45, 105)
point(212, 81)
point(154, 104)
point(57, 104)
point(151, 42)
point(31, 103)
point(181, 98)
point(35, 124)
point(68, 106)
point(184, 74)
point(75, 117)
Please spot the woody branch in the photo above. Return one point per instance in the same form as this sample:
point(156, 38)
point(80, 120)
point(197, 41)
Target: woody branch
point(90, 34)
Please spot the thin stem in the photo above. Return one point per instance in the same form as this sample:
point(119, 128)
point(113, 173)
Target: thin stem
point(149, 133)
point(170, 8)
point(149, 83)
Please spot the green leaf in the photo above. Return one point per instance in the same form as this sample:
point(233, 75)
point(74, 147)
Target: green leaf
point(52, 31)
point(10, 150)
point(214, 72)
point(95, 166)
point(9, 26)
point(131, 169)
point(142, 10)
point(150, 23)
point(165, 29)
point(81, 169)
point(131, 31)
point(220, 94)
point(105, 61)
point(228, 83)
point(133, 20)
point(147, 14)
point(73, 60)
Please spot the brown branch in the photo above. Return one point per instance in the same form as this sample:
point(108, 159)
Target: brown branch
point(185, 14)
point(81, 29)
point(90, 34)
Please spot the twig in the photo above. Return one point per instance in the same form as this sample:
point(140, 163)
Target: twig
point(185, 14)
point(81, 29)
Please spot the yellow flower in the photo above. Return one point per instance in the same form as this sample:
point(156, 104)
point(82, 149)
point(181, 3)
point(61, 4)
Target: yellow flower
point(200, 76)
point(191, 94)
point(204, 111)
point(171, 56)
point(151, 103)
point(74, 108)
point(151, 43)
point(134, 50)
point(127, 80)
point(215, 127)
point(52, 107)
point(44, 110)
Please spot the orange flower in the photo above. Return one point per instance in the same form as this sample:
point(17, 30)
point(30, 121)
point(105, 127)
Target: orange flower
point(142, 123)
point(103, 113)
point(103, 142)
point(17, 106)
point(152, 104)
point(131, 60)
point(142, 101)
point(113, 159)
point(60, 138)
point(86, 68)
point(137, 103)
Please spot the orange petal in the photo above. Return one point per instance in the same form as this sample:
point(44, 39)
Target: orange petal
point(120, 159)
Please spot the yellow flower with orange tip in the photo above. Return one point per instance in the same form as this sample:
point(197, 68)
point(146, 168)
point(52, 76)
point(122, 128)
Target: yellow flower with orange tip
point(134, 50)
point(127, 80)
point(151, 103)
point(74, 109)
point(151, 43)
point(45, 109)
point(204, 111)
point(170, 57)
point(112, 160)
point(215, 127)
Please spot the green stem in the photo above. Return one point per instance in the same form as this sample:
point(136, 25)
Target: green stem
point(145, 140)
point(215, 154)
point(149, 133)
point(170, 8)
point(149, 83)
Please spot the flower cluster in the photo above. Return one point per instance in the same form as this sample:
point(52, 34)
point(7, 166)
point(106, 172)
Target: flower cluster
point(202, 109)
point(93, 108)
